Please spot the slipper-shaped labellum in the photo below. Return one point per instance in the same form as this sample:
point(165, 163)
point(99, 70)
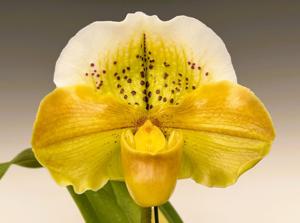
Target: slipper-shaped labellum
point(149, 102)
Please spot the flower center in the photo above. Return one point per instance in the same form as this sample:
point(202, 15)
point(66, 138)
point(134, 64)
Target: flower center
point(149, 138)
point(151, 163)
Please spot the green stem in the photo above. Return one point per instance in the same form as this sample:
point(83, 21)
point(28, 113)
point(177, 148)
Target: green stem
point(146, 215)
point(156, 216)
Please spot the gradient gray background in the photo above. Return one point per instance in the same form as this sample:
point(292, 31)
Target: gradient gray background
point(264, 41)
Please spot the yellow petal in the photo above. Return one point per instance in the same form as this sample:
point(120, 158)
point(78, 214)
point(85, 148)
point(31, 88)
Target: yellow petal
point(151, 166)
point(76, 136)
point(217, 160)
point(226, 128)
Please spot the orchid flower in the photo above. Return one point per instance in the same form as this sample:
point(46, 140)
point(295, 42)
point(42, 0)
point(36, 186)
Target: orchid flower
point(149, 102)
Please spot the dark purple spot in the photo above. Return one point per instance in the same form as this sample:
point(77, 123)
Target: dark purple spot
point(166, 64)
point(146, 99)
point(147, 84)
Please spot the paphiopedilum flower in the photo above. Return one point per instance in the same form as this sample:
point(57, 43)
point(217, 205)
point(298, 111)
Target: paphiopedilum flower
point(149, 102)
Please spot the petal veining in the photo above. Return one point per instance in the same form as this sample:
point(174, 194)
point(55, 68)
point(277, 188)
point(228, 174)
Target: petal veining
point(226, 129)
point(217, 160)
point(76, 136)
point(145, 61)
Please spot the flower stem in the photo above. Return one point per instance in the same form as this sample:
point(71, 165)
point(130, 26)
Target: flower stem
point(156, 217)
point(146, 215)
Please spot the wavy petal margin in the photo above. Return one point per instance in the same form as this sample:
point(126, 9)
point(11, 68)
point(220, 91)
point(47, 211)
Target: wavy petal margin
point(226, 129)
point(77, 136)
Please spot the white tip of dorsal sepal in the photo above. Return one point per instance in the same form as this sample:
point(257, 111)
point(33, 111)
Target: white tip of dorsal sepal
point(95, 41)
point(140, 14)
point(141, 17)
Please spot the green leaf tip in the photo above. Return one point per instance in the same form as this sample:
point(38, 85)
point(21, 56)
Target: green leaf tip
point(25, 158)
point(3, 168)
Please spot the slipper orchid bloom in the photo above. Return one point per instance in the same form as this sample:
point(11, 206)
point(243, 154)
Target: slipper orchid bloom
point(148, 102)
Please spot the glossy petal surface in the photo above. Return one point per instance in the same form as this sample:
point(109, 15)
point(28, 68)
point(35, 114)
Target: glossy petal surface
point(226, 128)
point(76, 136)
